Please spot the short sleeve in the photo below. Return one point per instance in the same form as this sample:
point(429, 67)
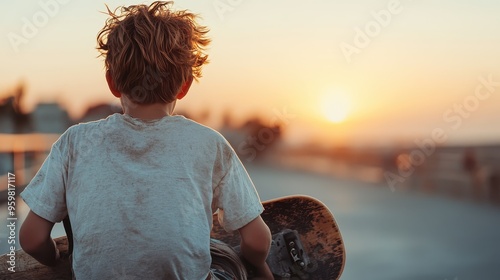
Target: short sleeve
point(45, 194)
point(235, 196)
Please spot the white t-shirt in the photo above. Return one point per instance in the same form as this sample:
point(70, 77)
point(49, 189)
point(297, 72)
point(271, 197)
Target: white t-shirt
point(140, 195)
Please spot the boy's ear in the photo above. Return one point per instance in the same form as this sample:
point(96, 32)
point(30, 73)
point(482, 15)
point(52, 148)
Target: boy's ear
point(111, 85)
point(184, 89)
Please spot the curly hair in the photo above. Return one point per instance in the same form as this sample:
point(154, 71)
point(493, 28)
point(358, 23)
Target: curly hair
point(151, 51)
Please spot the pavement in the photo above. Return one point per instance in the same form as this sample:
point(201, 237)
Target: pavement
point(400, 235)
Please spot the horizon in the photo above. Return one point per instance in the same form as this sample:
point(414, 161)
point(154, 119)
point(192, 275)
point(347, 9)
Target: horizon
point(438, 137)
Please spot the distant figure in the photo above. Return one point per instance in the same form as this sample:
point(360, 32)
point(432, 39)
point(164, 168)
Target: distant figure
point(471, 166)
point(140, 188)
point(470, 162)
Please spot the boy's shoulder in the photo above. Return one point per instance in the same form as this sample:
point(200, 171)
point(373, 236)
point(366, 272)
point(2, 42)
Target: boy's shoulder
point(118, 122)
point(89, 128)
point(202, 132)
point(191, 124)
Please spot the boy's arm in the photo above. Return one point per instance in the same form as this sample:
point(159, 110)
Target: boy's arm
point(34, 237)
point(255, 243)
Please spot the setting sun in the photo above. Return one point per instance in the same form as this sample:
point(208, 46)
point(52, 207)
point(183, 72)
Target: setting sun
point(335, 106)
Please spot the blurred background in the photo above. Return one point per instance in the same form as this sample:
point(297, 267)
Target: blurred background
point(386, 110)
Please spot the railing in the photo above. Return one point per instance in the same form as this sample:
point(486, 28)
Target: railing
point(17, 145)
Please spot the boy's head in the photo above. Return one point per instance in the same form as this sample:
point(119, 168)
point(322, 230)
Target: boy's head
point(151, 52)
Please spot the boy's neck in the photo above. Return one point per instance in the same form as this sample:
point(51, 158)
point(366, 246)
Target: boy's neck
point(147, 111)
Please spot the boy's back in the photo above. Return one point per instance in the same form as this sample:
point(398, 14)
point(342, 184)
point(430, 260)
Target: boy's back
point(138, 191)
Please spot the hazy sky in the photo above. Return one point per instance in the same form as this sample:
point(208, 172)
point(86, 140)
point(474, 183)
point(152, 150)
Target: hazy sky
point(391, 70)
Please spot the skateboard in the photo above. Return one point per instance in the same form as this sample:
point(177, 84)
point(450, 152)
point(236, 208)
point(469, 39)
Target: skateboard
point(307, 244)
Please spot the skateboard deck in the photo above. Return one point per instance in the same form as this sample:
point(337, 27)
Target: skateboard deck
point(298, 219)
point(306, 244)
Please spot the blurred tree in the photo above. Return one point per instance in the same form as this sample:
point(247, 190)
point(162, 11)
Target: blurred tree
point(12, 117)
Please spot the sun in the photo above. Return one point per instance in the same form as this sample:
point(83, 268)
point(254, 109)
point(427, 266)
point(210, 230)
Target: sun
point(335, 106)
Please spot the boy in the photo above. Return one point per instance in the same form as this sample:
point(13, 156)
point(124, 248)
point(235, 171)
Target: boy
point(140, 188)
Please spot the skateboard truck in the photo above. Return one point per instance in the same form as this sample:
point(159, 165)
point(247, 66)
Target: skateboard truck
point(287, 256)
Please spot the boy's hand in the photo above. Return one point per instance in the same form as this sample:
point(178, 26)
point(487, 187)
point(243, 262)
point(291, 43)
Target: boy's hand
point(35, 239)
point(255, 244)
point(58, 254)
point(263, 273)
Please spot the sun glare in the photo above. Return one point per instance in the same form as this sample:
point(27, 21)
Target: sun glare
point(335, 106)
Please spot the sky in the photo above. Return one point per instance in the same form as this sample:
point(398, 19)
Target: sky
point(334, 72)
